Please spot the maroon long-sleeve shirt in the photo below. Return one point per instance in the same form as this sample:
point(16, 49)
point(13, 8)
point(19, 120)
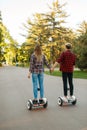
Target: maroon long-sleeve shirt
point(67, 61)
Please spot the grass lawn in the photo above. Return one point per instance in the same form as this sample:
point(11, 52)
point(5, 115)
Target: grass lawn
point(76, 74)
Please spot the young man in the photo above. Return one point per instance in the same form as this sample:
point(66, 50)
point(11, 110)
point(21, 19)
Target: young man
point(67, 61)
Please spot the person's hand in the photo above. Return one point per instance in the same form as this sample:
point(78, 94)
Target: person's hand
point(51, 70)
point(28, 75)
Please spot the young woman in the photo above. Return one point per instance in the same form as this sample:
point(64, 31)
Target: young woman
point(37, 62)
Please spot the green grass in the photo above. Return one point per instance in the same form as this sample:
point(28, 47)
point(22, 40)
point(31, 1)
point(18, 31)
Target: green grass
point(76, 74)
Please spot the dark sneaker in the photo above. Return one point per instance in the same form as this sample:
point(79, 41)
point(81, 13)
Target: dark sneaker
point(41, 101)
point(35, 102)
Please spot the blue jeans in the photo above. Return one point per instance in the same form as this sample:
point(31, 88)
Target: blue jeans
point(37, 80)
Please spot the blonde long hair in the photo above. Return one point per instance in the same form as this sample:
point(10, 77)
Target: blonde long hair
point(38, 52)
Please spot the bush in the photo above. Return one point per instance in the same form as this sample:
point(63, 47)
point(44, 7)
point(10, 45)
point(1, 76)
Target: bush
point(0, 64)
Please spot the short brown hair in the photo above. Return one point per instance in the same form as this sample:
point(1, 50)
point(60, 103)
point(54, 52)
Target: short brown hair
point(68, 45)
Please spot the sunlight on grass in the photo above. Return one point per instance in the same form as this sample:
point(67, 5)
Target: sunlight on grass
point(76, 74)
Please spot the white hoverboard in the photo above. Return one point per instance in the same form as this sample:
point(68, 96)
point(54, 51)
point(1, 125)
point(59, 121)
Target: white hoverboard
point(61, 101)
point(70, 100)
point(31, 105)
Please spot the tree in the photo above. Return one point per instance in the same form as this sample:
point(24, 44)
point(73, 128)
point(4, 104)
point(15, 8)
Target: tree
point(8, 46)
point(81, 47)
point(1, 39)
point(46, 25)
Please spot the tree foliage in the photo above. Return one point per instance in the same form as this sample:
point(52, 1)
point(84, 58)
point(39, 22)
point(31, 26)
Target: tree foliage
point(49, 25)
point(49, 30)
point(81, 46)
point(8, 46)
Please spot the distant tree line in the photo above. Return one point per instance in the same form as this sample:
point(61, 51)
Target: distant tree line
point(50, 31)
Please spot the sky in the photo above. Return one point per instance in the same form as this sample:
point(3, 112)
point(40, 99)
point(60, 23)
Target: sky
point(17, 12)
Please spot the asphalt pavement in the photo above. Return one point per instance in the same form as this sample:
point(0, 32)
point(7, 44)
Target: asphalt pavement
point(16, 89)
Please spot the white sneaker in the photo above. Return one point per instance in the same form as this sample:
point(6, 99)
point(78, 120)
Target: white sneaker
point(68, 97)
point(72, 97)
point(65, 99)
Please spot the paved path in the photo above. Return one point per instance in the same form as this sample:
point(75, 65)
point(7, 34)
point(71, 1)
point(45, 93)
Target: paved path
point(16, 89)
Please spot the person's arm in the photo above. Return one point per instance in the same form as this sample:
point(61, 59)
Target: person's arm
point(74, 62)
point(46, 63)
point(30, 68)
point(29, 74)
point(54, 65)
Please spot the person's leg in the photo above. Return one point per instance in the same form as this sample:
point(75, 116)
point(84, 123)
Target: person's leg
point(35, 85)
point(41, 84)
point(70, 79)
point(64, 78)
